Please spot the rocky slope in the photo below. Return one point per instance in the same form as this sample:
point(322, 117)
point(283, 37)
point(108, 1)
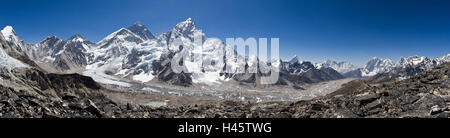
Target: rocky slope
point(424, 95)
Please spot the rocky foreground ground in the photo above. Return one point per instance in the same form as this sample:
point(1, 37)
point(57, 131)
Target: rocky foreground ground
point(76, 96)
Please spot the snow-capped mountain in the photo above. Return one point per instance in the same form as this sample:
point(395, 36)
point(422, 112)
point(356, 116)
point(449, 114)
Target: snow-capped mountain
point(126, 55)
point(7, 62)
point(51, 54)
point(341, 67)
point(381, 70)
point(57, 55)
point(410, 66)
point(295, 66)
point(123, 55)
point(307, 72)
point(141, 30)
point(424, 62)
point(12, 39)
point(443, 59)
point(134, 54)
point(376, 66)
point(15, 48)
point(9, 34)
point(80, 42)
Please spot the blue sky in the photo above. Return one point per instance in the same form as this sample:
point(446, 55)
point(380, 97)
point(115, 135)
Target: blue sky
point(315, 30)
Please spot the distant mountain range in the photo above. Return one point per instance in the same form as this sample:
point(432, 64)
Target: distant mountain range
point(134, 55)
point(376, 67)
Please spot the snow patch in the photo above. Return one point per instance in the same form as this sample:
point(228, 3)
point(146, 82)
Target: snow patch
point(9, 63)
point(208, 78)
point(99, 75)
point(143, 77)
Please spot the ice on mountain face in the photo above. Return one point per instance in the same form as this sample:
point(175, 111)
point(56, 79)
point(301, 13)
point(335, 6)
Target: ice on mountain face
point(410, 61)
point(105, 79)
point(49, 46)
point(76, 38)
point(140, 60)
point(98, 73)
point(79, 42)
point(57, 55)
point(208, 71)
point(183, 34)
point(120, 36)
point(186, 27)
point(117, 44)
point(377, 66)
point(9, 34)
point(212, 63)
point(126, 52)
point(341, 67)
point(208, 78)
point(11, 37)
point(415, 61)
point(7, 62)
point(443, 59)
point(143, 77)
point(405, 67)
point(213, 52)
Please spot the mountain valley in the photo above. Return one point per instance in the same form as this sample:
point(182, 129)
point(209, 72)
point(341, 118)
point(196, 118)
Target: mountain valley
point(129, 74)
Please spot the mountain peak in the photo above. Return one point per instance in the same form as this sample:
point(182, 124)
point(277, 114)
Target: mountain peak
point(443, 59)
point(121, 31)
point(9, 34)
point(294, 59)
point(189, 20)
point(139, 24)
point(141, 30)
point(187, 26)
point(123, 34)
point(76, 38)
point(413, 60)
point(50, 38)
point(376, 66)
point(8, 29)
